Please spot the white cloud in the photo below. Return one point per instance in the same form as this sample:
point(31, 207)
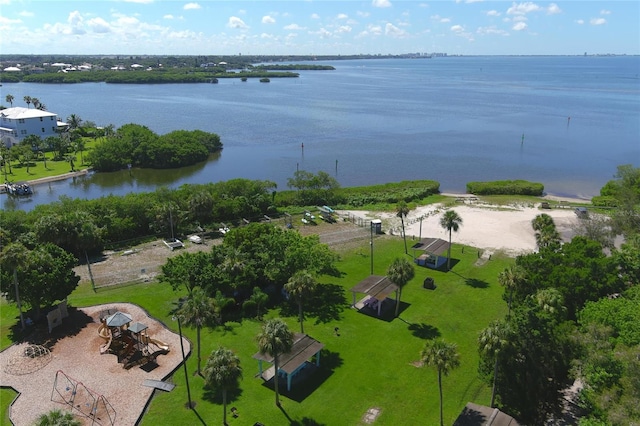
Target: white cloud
point(457, 28)
point(342, 16)
point(493, 13)
point(294, 27)
point(523, 8)
point(469, 1)
point(598, 21)
point(99, 25)
point(445, 20)
point(519, 26)
point(579, 21)
point(266, 36)
point(315, 16)
point(519, 18)
point(235, 22)
point(344, 29)
point(323, 33)
point(139, 1)
point(168, 16)
point(375, 29)
point(393, 31)
point(191, 6)
point(26, 14)
point(381, 3)
point(363, 14)
point(492, 30)
point(605, 12)
point(7, 21)
point(553, 9)
point(268, 20)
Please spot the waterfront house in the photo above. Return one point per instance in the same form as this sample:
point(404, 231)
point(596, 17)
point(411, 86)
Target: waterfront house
point(17, 123)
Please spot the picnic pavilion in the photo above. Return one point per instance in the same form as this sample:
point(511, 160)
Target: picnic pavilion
point(376, 289)
point(303, 349)
point(434, 252)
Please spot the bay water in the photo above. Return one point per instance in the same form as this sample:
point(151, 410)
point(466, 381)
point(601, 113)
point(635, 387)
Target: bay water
point(564, 121)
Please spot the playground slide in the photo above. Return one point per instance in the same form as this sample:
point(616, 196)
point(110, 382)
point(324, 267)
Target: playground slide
point(104, 332)
point(159, 344)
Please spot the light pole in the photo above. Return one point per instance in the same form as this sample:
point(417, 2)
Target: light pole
point(190, 404)
point(371, 244)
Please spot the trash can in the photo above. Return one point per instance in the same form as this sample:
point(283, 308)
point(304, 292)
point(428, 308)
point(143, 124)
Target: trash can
point(429, 283)
point(376, 224)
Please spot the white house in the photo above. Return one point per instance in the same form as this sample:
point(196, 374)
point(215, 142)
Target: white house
point(17, 123)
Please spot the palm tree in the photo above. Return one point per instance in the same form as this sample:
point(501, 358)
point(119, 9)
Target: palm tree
point(57, 418)
point(196, 310)
point(491, 341)
point(275, 339)
point(74, 122)
point(10, 98)
point(547, 235)
point(511, 279)
point(36, 103)
point(400, 272)
point(13, 256)
point(223, 371)
point(260, 298)
point(27, 99)
point(444, 357)
point(402, 210)
point(450, 221)
point(300, 286)
point(550, 300)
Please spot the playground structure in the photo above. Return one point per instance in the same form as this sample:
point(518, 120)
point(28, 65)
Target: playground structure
point(130, 342)
point(79, 397)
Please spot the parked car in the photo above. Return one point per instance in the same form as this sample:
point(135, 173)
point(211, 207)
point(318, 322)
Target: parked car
point(582, 212)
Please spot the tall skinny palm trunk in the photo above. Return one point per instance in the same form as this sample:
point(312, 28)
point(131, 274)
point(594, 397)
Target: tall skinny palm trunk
point(495, 380)
point(199, 359)
point(300, 316)
point(276, 378)
point(224, 406)
point(440, 387)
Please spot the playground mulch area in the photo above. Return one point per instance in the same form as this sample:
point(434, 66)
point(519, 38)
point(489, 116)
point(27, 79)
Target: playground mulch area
point(76, 370)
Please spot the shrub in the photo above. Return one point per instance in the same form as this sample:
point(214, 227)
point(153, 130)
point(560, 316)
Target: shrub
point(505, 187)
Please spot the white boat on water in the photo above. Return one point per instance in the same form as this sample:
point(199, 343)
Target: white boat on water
point(19, 189)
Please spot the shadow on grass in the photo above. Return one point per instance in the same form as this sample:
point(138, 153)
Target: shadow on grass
point(326, 305)
point(214, 395)
point(424, 331)
point(306, 421)
point(38, 332)
point(476, 283)
point(309, 378)
point(388, 311)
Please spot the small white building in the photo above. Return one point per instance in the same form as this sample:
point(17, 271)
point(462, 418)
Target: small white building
point(17, 123)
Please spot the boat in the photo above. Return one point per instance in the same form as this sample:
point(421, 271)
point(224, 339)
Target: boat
point(195, 239)
point(174, 243)
point(19, 189)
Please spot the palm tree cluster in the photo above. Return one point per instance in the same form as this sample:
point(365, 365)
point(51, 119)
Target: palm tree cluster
point(547, 236)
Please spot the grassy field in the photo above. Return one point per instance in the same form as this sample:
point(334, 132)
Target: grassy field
point(371, 363)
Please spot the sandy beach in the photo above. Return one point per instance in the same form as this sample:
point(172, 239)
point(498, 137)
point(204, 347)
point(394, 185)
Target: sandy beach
point(489, 227)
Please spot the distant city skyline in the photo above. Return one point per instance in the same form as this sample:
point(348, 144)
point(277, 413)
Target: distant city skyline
point(305, 27)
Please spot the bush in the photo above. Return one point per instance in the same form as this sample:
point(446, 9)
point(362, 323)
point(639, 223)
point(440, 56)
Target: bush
point(505, 187)
point(604, 201)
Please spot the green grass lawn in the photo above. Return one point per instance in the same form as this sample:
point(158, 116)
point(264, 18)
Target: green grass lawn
point(370, 364)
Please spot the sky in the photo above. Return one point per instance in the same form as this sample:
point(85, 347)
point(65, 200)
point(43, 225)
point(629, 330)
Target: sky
point(318, 27)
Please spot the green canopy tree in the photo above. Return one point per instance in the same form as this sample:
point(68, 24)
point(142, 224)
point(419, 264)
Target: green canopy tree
point(301, 286)
point(46, 275)
point(275, 339)
point(400, 272)
point(547, 236)
point(9, 98)
point(12, 257)
point(443, 357)
point(197, 310)
point(223, 372)
point(451, 221)
point(402, 210)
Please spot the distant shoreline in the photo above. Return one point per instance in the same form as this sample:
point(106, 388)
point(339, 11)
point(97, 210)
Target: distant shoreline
point(55, 178)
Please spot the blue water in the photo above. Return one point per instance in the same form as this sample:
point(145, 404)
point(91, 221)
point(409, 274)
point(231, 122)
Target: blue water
point(452, 119)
